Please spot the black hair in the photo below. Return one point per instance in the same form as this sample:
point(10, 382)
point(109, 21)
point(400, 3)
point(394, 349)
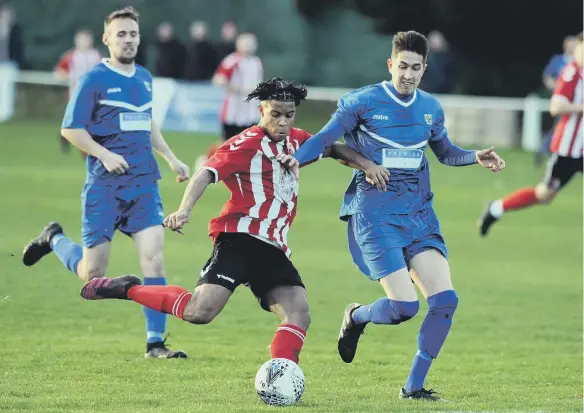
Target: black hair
point(410, 41)
point(278, 89)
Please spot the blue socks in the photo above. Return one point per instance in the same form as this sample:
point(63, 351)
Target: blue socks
point(155, 320)
point(433, 333)
point(67, 251)
point(386, 311)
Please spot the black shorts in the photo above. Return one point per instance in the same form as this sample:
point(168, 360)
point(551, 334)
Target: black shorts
point(560, 170)
point(230, 130)
point(242, 259)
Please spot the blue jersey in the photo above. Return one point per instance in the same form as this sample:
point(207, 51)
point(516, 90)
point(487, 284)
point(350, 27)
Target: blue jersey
point(116, 110)
point(393, 131)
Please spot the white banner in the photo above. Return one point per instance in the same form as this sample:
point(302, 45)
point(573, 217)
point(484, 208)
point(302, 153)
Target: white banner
point(8, 76)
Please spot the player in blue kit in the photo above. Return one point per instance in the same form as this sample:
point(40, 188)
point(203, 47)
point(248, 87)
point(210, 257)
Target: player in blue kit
point(394, 235)
point(109, 116)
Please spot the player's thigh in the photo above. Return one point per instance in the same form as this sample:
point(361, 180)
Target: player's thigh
point(431, 272)
point(149, 245)
point(94, 262)
point(228, 265)
point(559, 171)
point(100, 214)
point(206, 303)
point(290, 304)
point(398, 286)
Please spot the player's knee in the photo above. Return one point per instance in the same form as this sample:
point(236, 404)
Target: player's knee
point(152, 262)
point(544, 194)
point(90, 271)
point(199, 314)
point(387, 311)
point(444, 302)
point(407, 310)
point(301, 319)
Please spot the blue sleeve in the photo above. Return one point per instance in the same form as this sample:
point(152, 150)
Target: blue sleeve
point(447, 152)
point(350, 108)
point(81, 104)
point(552, 68)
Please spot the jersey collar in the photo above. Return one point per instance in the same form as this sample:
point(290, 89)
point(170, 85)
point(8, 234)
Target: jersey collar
point(393, 93)
point(107, 64)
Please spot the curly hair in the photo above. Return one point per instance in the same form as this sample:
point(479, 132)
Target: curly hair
point(279, 89)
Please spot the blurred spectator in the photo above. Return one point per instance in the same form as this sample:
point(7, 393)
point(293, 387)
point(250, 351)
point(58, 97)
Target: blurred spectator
point(11, 38)
point(201, 59)
point(550, 74)
point(557, 63)
point(440, 76)
point(227, 44)
point(74, 63)
point(170, 59)
point(238, 73)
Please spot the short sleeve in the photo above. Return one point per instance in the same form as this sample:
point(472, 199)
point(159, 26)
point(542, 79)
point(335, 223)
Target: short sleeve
point(64, 62)
point(232, 157)
point(80, 107)
point(566, 83)
point(227, 66)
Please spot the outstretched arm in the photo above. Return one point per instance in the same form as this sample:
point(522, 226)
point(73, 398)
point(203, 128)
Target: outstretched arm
point(350, 109)
point(376, 174)
point(451, 154)
point(193, 192)
point(314, 147)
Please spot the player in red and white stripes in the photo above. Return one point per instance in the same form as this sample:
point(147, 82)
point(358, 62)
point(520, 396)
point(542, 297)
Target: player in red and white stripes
point(238, 73)
point(250, 234)
point(566, 146)
point(74, 63)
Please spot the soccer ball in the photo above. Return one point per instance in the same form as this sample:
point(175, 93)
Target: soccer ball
point(280, 382)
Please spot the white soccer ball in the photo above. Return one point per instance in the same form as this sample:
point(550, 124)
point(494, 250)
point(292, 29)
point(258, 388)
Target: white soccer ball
point(280, 382)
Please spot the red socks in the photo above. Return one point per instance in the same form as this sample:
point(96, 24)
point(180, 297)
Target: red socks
point(288, 342)
point(169, 299)
point(519, 199)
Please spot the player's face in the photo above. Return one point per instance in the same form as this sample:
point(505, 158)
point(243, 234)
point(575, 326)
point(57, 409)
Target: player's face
point(122, 38)
point(407, 69)
point(277, 118)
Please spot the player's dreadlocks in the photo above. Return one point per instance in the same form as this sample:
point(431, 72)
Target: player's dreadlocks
point(278, 89)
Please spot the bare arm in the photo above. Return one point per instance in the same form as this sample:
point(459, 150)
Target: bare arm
point(160, 145)
point(195, 189)
point(221, 81)
point(375, 174)
point(561, 106)
point(197, 185)
point(347, 156)
point(82, 140)
point(549, 82)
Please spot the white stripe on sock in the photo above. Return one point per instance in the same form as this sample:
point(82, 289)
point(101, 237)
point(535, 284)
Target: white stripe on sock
point(496, 209)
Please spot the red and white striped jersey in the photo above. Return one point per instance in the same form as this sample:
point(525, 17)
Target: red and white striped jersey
point(264, 194)
point(244, 72)
point(567, 139)
point(76, 63)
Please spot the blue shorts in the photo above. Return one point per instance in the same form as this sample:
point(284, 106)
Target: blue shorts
point(129, 209)
point(382, 245)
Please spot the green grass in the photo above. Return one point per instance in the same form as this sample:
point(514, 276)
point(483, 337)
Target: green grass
point(516, 342)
